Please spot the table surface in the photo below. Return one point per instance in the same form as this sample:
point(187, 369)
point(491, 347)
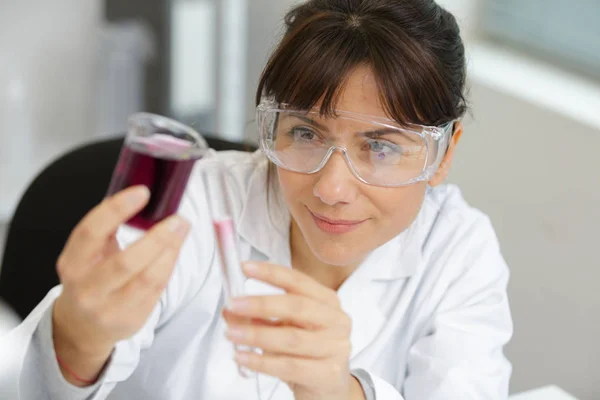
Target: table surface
point(545, 393)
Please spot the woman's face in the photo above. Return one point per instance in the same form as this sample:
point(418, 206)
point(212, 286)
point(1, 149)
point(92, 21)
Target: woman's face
point(340, 218)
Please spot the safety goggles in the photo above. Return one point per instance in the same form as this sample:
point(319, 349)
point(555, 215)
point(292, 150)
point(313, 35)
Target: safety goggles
point(378, 151)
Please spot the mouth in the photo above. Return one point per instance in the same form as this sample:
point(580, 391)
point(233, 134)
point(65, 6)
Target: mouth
point(335, 226)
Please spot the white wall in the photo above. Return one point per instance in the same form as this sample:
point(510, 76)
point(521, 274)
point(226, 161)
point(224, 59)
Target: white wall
point(47, 77)
point(265, 27)
point(534, 172)
point(527, 159)
point(221, 73)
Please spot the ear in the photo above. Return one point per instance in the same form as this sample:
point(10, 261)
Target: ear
point(444, 169)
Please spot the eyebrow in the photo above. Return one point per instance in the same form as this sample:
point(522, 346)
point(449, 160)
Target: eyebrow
point(381, 132)
point(308, 120)
point(371, 134)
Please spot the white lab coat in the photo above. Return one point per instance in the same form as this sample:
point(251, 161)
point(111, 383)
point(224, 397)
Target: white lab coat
point(429, 308)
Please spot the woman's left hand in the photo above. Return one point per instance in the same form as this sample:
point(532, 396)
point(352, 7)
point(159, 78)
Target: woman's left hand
point(304, 334)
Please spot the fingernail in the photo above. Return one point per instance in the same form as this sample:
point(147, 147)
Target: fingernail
point(177, 225)
point(242, 358)
point(235, 333)
point(250, 267)
point(245, 372)
point(138, 195)
point(239, 305)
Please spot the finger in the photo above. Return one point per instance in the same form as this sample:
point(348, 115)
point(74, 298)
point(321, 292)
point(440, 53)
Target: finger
point(81, 270)
point(143, 291)
point(289, 369)
point(301, 311)
point(88, 238)
point(133, 304)
point(115, 272)
point(233, 319)
point(112, 247)
point(289, 341)
point(292, 281)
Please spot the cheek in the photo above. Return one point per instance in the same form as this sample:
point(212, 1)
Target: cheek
point(398, 207)
point(293, 186)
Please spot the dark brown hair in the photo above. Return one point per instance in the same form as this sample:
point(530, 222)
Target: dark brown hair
point(413, 47)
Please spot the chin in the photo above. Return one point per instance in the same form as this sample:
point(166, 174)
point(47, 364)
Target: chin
point(337, 254)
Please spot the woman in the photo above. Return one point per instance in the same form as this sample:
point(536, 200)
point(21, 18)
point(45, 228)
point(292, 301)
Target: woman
point(369, 280)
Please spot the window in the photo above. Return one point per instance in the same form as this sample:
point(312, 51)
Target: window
point(565, 31)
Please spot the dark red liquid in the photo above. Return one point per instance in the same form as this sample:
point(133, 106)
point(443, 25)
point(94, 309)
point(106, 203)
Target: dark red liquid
point(157, 164)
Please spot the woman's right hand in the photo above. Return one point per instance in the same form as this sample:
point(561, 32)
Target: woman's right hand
point(108, 293)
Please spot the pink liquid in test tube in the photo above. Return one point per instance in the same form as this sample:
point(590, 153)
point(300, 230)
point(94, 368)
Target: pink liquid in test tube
point(225, 233)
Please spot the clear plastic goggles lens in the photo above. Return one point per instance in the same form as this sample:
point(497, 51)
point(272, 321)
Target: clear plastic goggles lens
point(378, 154)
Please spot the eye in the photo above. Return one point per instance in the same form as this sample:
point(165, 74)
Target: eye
point(303, 134)
point(382, 146)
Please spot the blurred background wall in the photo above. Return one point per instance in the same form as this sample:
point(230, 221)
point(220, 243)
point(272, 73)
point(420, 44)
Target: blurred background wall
point(526, 159)
point(153, 13)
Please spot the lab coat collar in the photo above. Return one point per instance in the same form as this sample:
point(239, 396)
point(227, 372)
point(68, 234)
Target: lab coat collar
point(265, 221)
point(394, 260)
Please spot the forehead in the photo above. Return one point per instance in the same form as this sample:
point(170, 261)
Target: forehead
point(360, 94)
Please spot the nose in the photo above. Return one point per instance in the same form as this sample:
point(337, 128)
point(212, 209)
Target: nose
point(336, 184)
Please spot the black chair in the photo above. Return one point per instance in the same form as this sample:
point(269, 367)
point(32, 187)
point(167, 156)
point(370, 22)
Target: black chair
point(49, 209)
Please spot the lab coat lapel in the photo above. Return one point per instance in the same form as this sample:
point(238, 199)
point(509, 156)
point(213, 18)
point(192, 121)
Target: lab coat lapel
point(360, 302)
point(265, 229)
point(361, 294)
point(265, 221)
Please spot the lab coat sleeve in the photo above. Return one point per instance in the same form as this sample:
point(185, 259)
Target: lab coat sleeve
point(375, 388)
point(460, 354)
point(28, 366)
point(40, 362)
point(31, 342)
point(24, 366)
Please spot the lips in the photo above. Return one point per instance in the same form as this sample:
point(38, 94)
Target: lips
point(335, 226)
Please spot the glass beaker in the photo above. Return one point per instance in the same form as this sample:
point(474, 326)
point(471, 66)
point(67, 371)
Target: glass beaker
point(158, 153)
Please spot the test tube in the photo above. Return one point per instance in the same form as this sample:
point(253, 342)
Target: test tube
point(220, 194)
